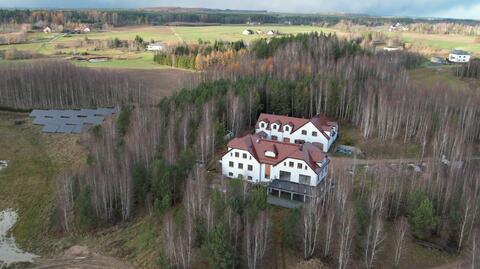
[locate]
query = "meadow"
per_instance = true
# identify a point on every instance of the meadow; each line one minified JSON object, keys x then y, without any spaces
{"x":59,"y":45}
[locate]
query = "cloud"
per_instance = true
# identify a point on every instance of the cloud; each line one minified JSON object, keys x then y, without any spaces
{"x":439,"y":8}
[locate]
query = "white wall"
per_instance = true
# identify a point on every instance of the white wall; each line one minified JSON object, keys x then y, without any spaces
{"x":236,"y":172}
{"x":308,"y":137}
{"x":258,"y":171}
{"x":458,"y":58}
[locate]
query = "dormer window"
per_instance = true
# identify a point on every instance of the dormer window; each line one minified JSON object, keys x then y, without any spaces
{"x":274,"y":126}
{"x":262,"y":124}
{"x":287,"y":128}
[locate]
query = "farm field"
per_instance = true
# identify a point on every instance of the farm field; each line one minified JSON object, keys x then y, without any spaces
{"x":60,"y":46}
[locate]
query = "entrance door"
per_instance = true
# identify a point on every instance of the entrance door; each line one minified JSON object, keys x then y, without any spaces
{"x":267,"y":171}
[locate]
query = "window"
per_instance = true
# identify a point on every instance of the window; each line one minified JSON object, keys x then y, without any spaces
{"x":244,"y":155}
{"x":274,"y":137}
{"x":290,"y":164}
{"x":304,"y":179}
{"x":287,"y":128}
{"x":231,"y":154}
{"x":304,"y":132}
{"x":250,"y":167}
{"x":230,"y":174}
{"x":285,"y":175}
{"x":314,"y":133}
{"x":230,"y":164}
{"x":299,"y":165}
{"x":306,"y":167}
{"x":249,"y":157}
{"x":240,"y":165}
{"x":274,"y":126}
{"x":237,"y":154}
{"x":250,"y":178}
{"x":262,"y":125}
{"x":285,"y":163}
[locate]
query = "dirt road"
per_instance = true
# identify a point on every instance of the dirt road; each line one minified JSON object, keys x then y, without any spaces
{"x":79,"y":257}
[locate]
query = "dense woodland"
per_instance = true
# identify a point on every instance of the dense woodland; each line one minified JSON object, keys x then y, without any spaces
{"x":98,"y":18}
{"x":201,"y":56}
{"x":155,"y":157}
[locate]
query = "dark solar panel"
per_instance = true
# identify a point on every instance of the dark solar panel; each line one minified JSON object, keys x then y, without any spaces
{"x":50,"y":128}
{"x":70,"y":120}
{"x":67,"y":129}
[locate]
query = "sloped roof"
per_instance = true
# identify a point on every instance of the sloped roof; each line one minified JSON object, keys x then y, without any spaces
{"x":282,"y":120}
{"x":460,"y":52}
{"x":257,"y":146}
{"x":320,"y":121}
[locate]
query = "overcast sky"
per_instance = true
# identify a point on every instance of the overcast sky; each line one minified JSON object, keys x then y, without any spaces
{"x":466,"y":9}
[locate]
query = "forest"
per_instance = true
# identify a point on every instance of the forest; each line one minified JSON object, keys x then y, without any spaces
{"x":159,"y":158}
{"x":41,"y":18}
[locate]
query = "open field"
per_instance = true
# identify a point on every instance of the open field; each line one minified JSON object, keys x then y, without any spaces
{"x":442,"y":76}
{"x":27,"y":184}
{"x":439,"y":44}
{"x":59,"y":45}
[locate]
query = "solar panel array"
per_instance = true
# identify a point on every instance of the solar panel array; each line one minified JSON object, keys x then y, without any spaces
{"x":70,"y":121}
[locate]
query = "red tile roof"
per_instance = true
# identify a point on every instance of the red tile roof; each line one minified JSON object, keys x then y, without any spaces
{"x":320,"y":121}
{"x":282,"y":120}
{"x":257,"y":146}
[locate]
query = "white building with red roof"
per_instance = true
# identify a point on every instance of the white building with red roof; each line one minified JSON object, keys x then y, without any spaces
{"x":318,"y":130}
{"x":261,"y":160}
{"x":292,"y":171}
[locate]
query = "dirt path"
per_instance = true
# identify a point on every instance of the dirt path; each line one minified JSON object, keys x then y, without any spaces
{"x":79,"y":257}
{"x":460,"y":264}
{"x":176,"y":34}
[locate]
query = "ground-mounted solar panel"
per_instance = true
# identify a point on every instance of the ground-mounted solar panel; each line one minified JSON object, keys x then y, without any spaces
{"x":94,"y":120}
{"x":40,"y":120}
{"x":75,"y":121}
{"x":50,"y":128}
{"x":70,"y":120}
{"x":77,"y":129}
{"x":66,"y":129}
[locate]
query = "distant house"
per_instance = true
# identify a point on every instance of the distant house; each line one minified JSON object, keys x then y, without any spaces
{"x":47,"y":30}
{"x":247,"y":32}
{"x":318,"y":130}
{"x":155,"y":47}
{"x":392,"y":48}
{"x":272,"y":32}
{"x":86,"y":30}
{"x":459,"y":56}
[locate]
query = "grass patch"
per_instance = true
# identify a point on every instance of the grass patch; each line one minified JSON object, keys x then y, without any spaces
{"x":27,"y":184}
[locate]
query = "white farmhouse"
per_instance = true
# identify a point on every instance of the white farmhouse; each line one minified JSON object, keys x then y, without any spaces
{"x":247,"y":32}
{"x":272,"y":32}
{"x":291,"y":170}
{"x":86,"y":30}
{"x":318,"y":130}
{"x":47,"y":30}
{"x":155,"y":47}
{"x":459,"y":56}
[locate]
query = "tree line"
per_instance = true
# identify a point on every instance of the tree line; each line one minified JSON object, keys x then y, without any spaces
{"x":43,"y":17}
{"x":53,"y":84}
{"x":200,"y":56}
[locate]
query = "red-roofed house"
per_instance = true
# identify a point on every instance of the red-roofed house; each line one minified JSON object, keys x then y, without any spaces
{"x":318,"y":130}
{"x":261,"y":160}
